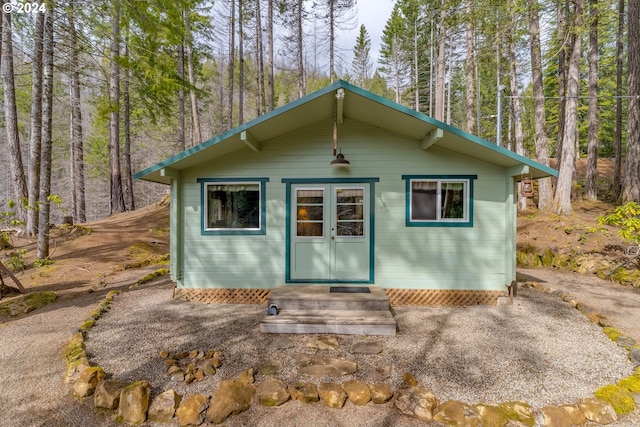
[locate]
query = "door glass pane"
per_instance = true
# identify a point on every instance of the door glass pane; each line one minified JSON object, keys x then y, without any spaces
{"x":309,"y":213}
{"x":350,"y":212}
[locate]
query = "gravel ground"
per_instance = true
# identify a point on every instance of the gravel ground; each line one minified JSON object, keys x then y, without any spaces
{"x":539,"y":350}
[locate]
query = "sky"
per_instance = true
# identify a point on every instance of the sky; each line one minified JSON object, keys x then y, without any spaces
{"x":374,"y":15}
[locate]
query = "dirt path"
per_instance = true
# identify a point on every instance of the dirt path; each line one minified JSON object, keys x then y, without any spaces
{"x":32,"y":367}
{"x":619,"y":304}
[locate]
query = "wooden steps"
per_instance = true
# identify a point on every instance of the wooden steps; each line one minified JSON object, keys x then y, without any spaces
{"x":315,"y":309}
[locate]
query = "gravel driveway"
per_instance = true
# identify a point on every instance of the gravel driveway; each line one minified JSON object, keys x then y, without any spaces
{"x":539,"y":350}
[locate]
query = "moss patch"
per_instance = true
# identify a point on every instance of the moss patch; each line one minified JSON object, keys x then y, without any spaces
{"x":27,"y":303}
{"x":631,"y":383}
{"x":149,"y":277}
{"x":612,"y":333}
{"x":619,"y":397}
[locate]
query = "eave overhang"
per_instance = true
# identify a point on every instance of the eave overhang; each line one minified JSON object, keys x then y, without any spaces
{"x":343,"y":101}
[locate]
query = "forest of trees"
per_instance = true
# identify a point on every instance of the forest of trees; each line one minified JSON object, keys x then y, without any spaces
{"x":94,"y":91}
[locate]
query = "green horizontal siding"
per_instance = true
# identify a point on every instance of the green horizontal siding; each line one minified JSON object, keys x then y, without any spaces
{"x":434,"y":258}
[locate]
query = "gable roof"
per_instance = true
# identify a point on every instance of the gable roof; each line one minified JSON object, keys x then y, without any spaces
{"x":357,"y":104}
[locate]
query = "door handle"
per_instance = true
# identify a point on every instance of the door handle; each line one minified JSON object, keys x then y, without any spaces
{"x":333,"y":237}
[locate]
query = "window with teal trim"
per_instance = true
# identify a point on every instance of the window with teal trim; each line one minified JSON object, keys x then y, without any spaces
{"x":439,"y":201}
{"x":233,"y":207}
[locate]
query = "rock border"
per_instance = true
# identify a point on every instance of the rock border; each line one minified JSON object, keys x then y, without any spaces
{"x":133,"y":405}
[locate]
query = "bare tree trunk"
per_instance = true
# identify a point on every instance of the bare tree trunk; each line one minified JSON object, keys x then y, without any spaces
{"x":272,"y":97}
{"x":195,"y":115}
{"x":332,"y":40}
{"x":300,"y":51}
{"x":232,"y":56}
{"x":440,"y":71}
{"x":262,"y":103}
{"x":562,"y":200}
{"x":592,"y":146}
{"x":47,"y":136}
{"x":128,"y":172}
{"x":77,"y":145}
{"x":116,"y":204}
{"x":517,"y":110}
{"x":469,"y":69}
{"x":616,"y":189}
{"x":431,"y":62}
{"x":11,"y":117}
{"x":241,"y":59}
{"x":515,"y":99}
{"x":181,"y":108}
{"x":416,"y":64}
{"x":35,"y":143}
{"x":563,"y":16}
{"x":541,"y":141}
{"x":631,"y":190}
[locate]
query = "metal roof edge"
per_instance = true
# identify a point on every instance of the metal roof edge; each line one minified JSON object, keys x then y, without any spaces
{"x":221,"y":137}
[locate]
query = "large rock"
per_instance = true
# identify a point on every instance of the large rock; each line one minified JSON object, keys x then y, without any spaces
{"x":561,"y":416}
{"x":304,"y":392}
{"x":520,"y":411}
{"x":380,"y":393}
{"x":454,"y":413}
{"x":192,"y":410}
{"x":358,"y":392}
{"x":314,"y":364}
{"x":164,"y":406}
{"x":332,"y":395}
{"x":272,"y":392}
{"x":416,"y":402}
{"x":378,"y":373}
{"x":597,"y":410}
{"x":323,"y":343}
{"x":134,"y":403}
{"x":88,"y":381}
{"x":107,"y":394}
{"x":492,"y":415}
{"x":232,"y":397}
{"x":366,"y":347}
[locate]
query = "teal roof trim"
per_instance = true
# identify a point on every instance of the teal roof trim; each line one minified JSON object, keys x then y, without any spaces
{"x":235,"y":131}
{"x":421,"y":116}
{"x":361,"y":92}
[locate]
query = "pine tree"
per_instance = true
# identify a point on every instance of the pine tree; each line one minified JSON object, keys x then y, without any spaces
{"x":362,"y":66}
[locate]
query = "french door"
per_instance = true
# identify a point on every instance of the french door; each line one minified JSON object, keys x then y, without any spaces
{"x":330,"y":232}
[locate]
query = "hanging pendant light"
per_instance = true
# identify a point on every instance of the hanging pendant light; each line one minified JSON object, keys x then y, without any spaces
{"x":340,"y":160}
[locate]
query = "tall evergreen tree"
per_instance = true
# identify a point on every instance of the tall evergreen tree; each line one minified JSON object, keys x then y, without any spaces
{"x":336,"y":15}
{"x":592,"y":149}
{"x":11,"y":115}
{"x":562,"y":199}
{"x":362,"y":66}
{"x":632,"y":162}
{"x":35,"y":142}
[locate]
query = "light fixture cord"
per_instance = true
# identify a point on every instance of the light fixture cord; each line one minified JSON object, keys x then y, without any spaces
{"x":335,"y":137}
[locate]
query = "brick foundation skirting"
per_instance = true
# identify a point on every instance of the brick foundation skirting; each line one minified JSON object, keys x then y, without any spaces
{"x":397,"y":297}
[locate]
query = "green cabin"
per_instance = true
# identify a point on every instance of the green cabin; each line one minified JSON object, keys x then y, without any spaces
{"x":344,"y":186}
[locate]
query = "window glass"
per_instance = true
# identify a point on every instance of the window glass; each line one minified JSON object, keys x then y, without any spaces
{"x":310,"y":212}
{"x":424,"y":200}
{"x":438,"y":200}
{"x":233,"y":206}
{"x":452,"y":200}
{"x":350,"y":212}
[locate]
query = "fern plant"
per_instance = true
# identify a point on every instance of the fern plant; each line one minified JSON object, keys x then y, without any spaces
{"x":626,"y":218}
